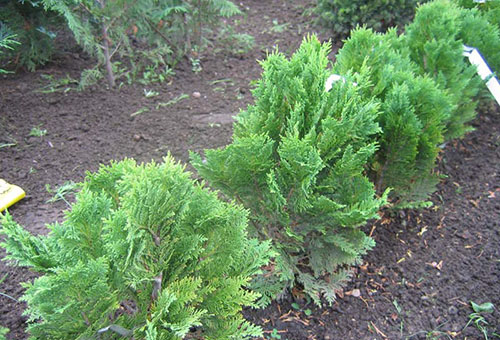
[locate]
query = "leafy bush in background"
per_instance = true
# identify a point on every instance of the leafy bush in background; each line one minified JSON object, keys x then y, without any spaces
{"x":413,"y":114}
{"x":32,"y":27}
{"x":296,"y":162}
{"x":434,"y":44}
{"x":144,"y":252}
{"x":341,"y":16}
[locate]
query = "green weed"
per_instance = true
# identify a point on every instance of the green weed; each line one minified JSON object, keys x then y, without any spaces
{"x":37,"y":132}
{"x":279,"y":28}
{"x":53,"y":84}
{"x":61,"y":192}
{"x":479,"y":321}
{"x":140,"y":111}
{"x":150,"y":93}
{"x":8,"y":297}
{"x":172,"y":101}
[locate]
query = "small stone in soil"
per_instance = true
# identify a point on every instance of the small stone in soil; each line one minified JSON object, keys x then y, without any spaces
{"x":196,"y":94}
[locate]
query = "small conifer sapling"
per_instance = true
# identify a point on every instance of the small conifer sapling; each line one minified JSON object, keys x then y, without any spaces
{"x":143,"y":253}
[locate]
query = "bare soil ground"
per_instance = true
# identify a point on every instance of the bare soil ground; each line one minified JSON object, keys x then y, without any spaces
{"x":416,"y":284}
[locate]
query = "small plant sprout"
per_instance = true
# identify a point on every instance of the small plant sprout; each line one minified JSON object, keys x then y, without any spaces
{"x":5,"y":295}
{"x":274,"y":334}
{"x":279,"y":28}
{"x":60,"y":193}
{"x":12,"y":143}
{"x":150,"y":93}
{"x":140,"y":111}
{"x":172,"y":101}
{"x":196,"y":65}
{"x":477,"y":318}
{"x":399,"y":311}
{"x":64,"y":84}
{"x":37,"y":131}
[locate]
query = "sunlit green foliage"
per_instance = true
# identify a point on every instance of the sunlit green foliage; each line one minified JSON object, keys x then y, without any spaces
{"x":413,"y":114}
{"x":145,"y":252}
{"x":297,"y":162}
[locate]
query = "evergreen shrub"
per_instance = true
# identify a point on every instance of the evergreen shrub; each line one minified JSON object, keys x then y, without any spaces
{"x":476,"y":31}
{"x":342,"y":16}
{"x":434,"y":43}
{"x":489,"y":9}
{"x":33,"y":28}
{"x":297,"y":163}
{"x":413,"y":113}
{"x":7,"y":42}
{"x":143,"y":252}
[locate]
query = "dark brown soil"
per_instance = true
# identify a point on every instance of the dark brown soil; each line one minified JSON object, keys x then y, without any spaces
{"x":417,"y":283}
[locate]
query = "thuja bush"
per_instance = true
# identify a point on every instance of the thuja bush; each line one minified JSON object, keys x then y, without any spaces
{"x":476,"y":31}
{"x":143,"y":253}
{"x":412,"y":116}
{"x":341,"y":16}
{"x":489,"y":9}
{"x":33,"y":27}
{"x":296,"y":162}
{"x":435,"y":45}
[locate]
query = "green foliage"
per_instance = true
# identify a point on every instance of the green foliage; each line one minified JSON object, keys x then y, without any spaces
{"x":413,"y":113}
{"x":341,"y":16}
{"x":7,"y":42}
{"x":207,"y":13}
{"x":145,"y":34}
{"x":489,"y":9}
{"x":434,"y":43}
{"x":144,"y":251}
{"x":296,"y":162}
{"x":3,"y":333}
{"x":476,"y":31}
{"x":31,"y":25}
{"x":478,"y":318}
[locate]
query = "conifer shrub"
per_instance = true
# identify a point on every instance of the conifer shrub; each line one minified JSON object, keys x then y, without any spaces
{"x":33,"y":28}
{"x":489,"y":9}
{"x":342,"y":16}
{"x":434,"y":43}
{"x":143,"y":253}
{"x":476,"y":31}
{"x":7,"y":43}
{"x":297,"y":163}
{"x":412,"y":116}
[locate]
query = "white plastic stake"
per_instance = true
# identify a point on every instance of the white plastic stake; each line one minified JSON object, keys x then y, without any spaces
{"x":483,"y":70}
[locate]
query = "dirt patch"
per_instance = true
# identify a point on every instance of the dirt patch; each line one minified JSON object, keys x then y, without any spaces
{"x":427,"y":266}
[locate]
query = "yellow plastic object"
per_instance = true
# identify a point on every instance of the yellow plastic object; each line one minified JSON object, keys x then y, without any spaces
{"x":9,"y":194}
